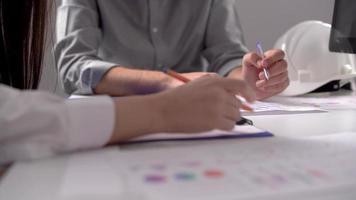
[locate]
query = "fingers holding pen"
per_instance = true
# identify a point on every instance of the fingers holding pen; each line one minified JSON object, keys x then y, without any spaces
{"x":277,"y":79}
{"x":270,"y":57}
{"x":275,"y":69}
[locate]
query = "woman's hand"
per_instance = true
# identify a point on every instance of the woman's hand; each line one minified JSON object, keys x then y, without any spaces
{"x":202,"y":105}
{"x":205,"y":104}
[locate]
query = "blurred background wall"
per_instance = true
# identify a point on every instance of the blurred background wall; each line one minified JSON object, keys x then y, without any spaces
{"x":263,"y":20}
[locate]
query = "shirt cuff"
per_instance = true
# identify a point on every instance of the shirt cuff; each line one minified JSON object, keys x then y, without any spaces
{"x":91,"y":122}
{"x":92,"y":75}
{"x":229,"y":66}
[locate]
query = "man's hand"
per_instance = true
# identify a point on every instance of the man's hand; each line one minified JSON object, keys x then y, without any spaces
{"x":121,"y":81}
{"x":191,"y":76}
{"x":252,"y":73}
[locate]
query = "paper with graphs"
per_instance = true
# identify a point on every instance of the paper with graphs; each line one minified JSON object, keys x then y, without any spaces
{"x":244,"y":169}
{"x":322,"y":102}
{"x":276,"y":108}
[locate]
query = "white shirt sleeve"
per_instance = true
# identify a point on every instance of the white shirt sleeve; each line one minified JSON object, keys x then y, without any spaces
{"x":38,"y":124}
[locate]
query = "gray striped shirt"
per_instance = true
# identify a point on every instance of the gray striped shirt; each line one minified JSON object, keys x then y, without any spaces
{"x":96,"y":35}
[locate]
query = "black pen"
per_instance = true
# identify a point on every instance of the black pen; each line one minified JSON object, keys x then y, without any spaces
{"x":244,"y":121}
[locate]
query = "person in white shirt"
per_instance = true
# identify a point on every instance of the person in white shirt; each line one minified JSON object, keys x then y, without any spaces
{"x":36,"y":124}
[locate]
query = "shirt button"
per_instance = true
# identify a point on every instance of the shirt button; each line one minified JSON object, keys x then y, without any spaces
{"x":155,"y":30}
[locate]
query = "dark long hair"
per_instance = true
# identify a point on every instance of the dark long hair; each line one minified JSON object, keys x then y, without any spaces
{"x":22,"y":40}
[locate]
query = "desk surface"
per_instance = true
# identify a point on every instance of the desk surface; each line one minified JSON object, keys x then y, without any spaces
{"x":291,"y":125}
{"x":308,"y":124}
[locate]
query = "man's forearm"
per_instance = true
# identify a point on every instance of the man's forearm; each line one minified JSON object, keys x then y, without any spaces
{"x":236,"y":73}
{"x":120,"y":81}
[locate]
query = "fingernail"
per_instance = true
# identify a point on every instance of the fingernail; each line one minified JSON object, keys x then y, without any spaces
{"x":260,"y":83}
{"x":261,"y":75}
{"x":259,"y":63}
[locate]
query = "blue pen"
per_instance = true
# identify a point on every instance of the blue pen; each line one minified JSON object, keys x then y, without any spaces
{"x":261,"y":53}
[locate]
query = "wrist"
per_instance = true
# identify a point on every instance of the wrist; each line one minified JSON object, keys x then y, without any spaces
{"x":121,"y":81}
{"x":163,"y":120}
{"x":236,"y":73}
{"x":110,"y":83}
{"x":137,"y":116}
{"x":168,"y":112}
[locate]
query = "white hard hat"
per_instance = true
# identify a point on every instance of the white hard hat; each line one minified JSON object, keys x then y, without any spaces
{"x":310,"y":63}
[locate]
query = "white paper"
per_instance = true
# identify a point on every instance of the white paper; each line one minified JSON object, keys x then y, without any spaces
{"x":325,"y":102}
{"x":91,"y":175}
{"x":275,"y":107}
{"x":245,"y":168}
{"x":315,"y":102}
{"x":245,"y":130}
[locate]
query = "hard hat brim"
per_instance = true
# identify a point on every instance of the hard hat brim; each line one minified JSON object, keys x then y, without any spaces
{"x":298,"y":88}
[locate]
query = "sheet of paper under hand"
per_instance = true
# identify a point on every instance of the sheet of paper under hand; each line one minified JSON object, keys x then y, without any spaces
{"x":238,"y":132}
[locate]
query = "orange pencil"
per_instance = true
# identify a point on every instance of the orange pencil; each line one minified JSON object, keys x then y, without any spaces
{"x":186,"y":80}
{"x":176,"y":75}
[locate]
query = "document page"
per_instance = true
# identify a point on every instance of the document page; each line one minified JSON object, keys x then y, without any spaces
{"x":242,"y":131}
{"x":280,"y":107}
{"x":324,"y":102}
{"x":245,"y":169}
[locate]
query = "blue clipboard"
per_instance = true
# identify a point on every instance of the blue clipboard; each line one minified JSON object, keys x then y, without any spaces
{"x":217,"y":135}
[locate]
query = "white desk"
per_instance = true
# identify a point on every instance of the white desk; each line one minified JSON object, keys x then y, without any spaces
{"x":41,"y":173}
{"x":295,"y":125}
